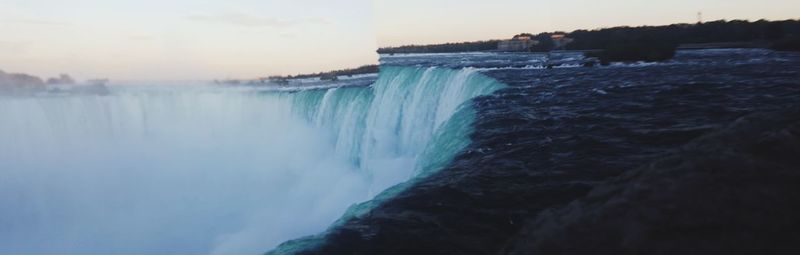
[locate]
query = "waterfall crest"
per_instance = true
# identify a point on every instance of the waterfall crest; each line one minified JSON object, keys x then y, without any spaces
{"x":205,"y":170}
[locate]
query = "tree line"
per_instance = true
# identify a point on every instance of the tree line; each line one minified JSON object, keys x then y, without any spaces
{"x":332,"y":75}
{"x":778,"y":34}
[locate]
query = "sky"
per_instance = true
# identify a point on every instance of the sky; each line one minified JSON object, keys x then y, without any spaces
{"x":184,"y":39}
{"x":218,"y":39}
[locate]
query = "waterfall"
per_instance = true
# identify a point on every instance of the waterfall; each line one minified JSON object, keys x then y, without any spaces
{"x":209,"y":170}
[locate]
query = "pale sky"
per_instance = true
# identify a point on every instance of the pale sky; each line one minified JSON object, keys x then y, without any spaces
{"x":207,"y":39}
{"x":401,"y":22}
{"x":184,"y":39}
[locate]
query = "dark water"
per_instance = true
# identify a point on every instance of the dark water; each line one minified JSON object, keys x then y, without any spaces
{"x":554,"y":134}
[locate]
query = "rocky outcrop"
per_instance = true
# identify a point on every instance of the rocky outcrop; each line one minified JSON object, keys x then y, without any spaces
{"x":16,"y":83}
{"x":731,"y":192}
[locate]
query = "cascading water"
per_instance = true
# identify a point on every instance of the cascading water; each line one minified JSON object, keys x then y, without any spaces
{"x":208,"y":170}
{"x":383,"y":130}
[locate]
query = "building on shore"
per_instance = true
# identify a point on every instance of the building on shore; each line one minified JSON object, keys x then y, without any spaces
{"x":520,"y":43}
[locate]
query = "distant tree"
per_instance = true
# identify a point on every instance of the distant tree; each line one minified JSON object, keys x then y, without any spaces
{"x":332,"y":75}
{"x":708,"y":32}
{"x":635,"y":50}
{"x":774,"y":31}
{"x":442,"y":48}
{"x":546,"y":43}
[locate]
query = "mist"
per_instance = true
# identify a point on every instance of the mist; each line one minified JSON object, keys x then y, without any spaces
{"x":201,"y":169}
{"x":162,"y":171}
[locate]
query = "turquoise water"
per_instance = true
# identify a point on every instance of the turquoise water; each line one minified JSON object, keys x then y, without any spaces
{"x":211,"y":170}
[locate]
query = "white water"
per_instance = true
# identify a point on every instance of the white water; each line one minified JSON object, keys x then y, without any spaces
{"x":204,"y":170}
